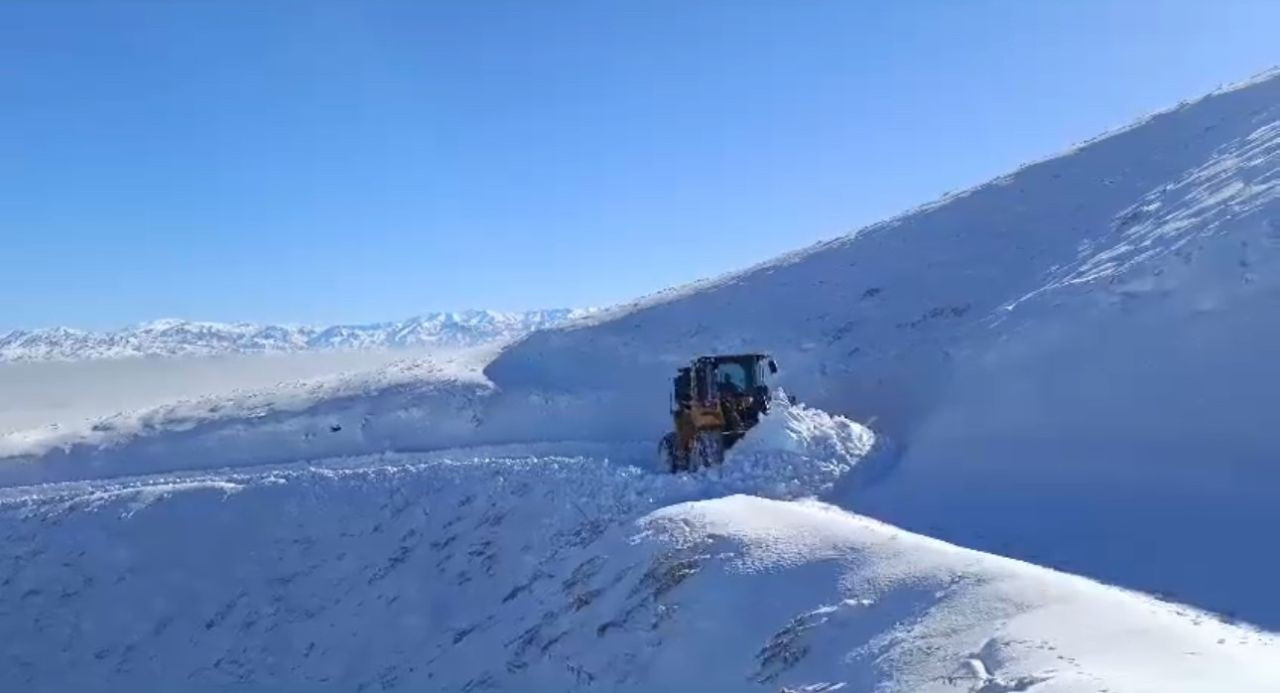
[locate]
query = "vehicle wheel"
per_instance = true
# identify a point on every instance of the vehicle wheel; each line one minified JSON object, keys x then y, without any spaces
{"x":668,"y":459}
{"x":708,"y":450}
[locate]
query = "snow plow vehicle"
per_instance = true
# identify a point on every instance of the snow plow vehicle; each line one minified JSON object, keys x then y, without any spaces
{"x":715,"y":400}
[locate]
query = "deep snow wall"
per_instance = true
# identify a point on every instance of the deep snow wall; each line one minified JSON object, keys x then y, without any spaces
{"x":870,"y":324}
{"x":1076,"y":362}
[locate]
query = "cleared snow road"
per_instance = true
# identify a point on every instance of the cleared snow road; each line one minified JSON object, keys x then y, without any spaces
{"x":539,"y":570}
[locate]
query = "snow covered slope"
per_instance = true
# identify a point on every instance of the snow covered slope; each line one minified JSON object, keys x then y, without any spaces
{"x":874,"y":322}
{"x":544,"y":571}
{"x":1073,"y":365}
{"x":418,"y":403}
{"x":35,"y":394}
{"x":1077,"y":361}
{"x":187,"y":338}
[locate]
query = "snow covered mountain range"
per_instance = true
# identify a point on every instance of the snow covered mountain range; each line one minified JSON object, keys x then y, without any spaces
{"x":189,"y":338}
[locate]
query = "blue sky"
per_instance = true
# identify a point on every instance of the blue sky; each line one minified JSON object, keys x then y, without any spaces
{"x":270,"y":160}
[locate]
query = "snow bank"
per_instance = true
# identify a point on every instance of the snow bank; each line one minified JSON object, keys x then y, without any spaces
{"x":550,"y":573}
{"x":38,"y":395}
{"x":802,"y":431}
{"x":411,"y":404}
{"x":902,"y":612}
{"x":795,"y":451}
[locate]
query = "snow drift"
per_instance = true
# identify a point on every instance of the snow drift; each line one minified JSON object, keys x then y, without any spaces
{"x":552,"y":573}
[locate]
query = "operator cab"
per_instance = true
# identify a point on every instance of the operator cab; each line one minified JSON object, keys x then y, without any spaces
{"x":713,"y":378}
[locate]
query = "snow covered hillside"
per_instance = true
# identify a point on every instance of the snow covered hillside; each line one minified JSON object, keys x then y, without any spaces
{"x":1076,"y":362}
{"x":537,"y":570}
{"x":1073,"y":366}
{"x":186,"y":338}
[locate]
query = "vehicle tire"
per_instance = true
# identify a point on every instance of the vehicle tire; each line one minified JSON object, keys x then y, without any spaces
{"x":708,"y":450}
{"x":668,"y":459}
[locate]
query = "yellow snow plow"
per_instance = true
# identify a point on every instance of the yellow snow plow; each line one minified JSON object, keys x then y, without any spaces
{"x":715,"y":400}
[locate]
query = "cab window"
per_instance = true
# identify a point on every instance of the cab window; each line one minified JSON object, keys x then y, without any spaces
{"x":732,"y":377}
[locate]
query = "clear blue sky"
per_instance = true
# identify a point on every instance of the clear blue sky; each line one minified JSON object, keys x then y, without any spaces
{"x":280,"y":160}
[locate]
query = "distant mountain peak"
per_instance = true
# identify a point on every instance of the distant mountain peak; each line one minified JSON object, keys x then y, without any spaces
{"x":177,"y":337}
